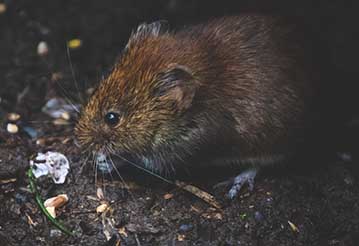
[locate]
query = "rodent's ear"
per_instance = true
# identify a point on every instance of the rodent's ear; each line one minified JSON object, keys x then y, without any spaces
{"x":177,"y":84}
{"x":153,"y":29}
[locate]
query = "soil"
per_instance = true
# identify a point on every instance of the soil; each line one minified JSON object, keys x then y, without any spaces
{"x":311,"y":203}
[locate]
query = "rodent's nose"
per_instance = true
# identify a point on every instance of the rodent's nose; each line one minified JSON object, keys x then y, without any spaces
{"x":101,"y":139}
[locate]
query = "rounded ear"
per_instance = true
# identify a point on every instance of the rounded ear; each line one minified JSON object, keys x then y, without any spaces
{"x":177,"y":84}
{"x":145,"y":30}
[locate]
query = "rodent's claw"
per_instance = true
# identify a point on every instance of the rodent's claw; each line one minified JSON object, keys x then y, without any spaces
{"x":244,"y":177}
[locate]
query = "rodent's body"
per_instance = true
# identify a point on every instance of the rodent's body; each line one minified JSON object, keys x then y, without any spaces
{"x":237,"y":89}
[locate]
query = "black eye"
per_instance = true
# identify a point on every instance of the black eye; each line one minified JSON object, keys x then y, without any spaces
{"x":112,"y":118}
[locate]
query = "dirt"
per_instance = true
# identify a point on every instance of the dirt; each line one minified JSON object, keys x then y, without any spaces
{"x":312,"y":203}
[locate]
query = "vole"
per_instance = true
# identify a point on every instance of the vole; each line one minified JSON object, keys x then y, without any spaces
{"x":234,"y":90}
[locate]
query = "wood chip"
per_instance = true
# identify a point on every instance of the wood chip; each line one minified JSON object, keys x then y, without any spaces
{"x":205,"y":196}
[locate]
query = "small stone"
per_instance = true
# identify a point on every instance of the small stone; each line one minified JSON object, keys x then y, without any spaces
{"x":12,"y":128}
{"x":55,"y":233}
{"x":20,"y":198}
{"x":185,"y":227}
{"x":42,"y":48}
{"x":30,"y":131}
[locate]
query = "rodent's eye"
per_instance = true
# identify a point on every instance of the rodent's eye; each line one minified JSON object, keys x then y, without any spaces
{"x":112,"y":118}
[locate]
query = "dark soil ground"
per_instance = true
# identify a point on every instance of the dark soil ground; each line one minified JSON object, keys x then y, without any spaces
{"x":321,"y":198}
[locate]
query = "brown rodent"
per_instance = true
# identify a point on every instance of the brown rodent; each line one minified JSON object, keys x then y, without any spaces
{"x":236,"y":89}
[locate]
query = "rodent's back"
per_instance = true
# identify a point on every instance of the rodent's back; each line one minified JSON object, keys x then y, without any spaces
{"x":261,"y":71}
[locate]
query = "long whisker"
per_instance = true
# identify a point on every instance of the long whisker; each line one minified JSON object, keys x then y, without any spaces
{"x":144,"y":169}
{"x":96,"y":162}
{"x":122,"y":179}
{"x":83,"y":164}
{"x":73,"y":73}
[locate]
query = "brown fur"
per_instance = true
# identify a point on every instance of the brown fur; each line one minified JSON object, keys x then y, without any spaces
{"x":235,"y":88}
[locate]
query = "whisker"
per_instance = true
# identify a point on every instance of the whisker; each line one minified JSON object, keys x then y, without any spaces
{"x":96,"y":162}
{"x":73,"y":74}
{"x":144,"y":169}
{"x":83,"y":164}
{"x":122,"y":179}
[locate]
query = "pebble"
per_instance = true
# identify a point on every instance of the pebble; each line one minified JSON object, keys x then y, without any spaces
{"x":185,"y":227}
{"x":42,"y":48}
{"x":31,"y":132}
{"x":55,"y":233}
{"x":20,"y":198}
{"x":12,"y":128}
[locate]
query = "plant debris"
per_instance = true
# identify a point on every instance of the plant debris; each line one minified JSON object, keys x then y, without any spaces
{"x":51,"y":163}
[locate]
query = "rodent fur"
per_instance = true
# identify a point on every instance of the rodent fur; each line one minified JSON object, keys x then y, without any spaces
{"x":235,"y":89}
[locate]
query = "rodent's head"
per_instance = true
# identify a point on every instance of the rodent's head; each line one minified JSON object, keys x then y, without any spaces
{"x":141,"y":105}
